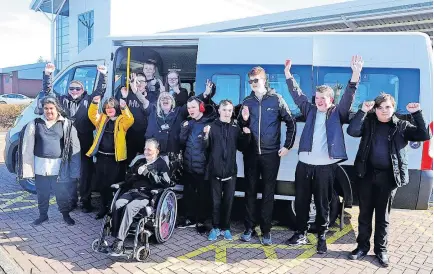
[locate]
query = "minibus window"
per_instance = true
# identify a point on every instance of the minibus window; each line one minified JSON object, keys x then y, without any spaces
{"x":61,"y":85}
{"x":228,"y":87}
{"x":371,"y":85}
{"x":87,"y":76}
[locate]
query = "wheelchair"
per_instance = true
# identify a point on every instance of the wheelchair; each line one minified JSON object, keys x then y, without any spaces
{"x":157,"y":219}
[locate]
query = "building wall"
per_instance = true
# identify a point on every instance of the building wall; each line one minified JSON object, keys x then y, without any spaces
{"x":6,"y":84}
{"x":29,"y":87}
{"x":101,"y":10}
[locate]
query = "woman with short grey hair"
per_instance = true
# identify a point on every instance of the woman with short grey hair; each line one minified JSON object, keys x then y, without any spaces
{"x":50,"y":153}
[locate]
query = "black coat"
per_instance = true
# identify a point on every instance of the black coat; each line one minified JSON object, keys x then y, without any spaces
{"x":75,"y":109}
{"x":192,"y":137}
{"x":265,"y":120}
{"x":401,"y":132}
{"x":157,"y":177}
{"x":181,"y":97}
{"x":166,"y":128}
{"x":222,"y":143}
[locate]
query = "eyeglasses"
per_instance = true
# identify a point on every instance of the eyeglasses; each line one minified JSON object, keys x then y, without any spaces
{"x":172,"y":79}
{"x":256,"y":80}
{"x":76,"y":88}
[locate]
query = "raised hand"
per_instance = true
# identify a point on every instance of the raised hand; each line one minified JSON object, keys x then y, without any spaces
{"x":246,"y":130}
{"x":102,"y":69}
{"x":288,"y":64}
{"x":124,"y":92}
{"x":357,"y":64}
{"x":208,"y":88}
{"x":97,"y":99}
{"x":245,"y":113}
{"x":413,"y":107}
{"x":122,"y":103}
{"x":367,"y":106}
{"x":162,"y":87}
{"x":142,"y":170}
{"x":49,"y":68}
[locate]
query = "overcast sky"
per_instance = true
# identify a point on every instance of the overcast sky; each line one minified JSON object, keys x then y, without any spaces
{"x":25,"y":34}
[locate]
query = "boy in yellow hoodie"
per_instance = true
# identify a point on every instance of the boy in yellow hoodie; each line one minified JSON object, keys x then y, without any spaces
{"x":109,"y":145}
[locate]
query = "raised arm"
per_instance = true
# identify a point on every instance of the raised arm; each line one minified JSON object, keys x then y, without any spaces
{"x":418,"y":131}
{"x":92,"y":113}
{"x":347,"y":100}
{"x":357,"y":124}
{"x":47,"y":80}
{"x":126,"y":116}
{"x":300,"y":99}
{"x":102,"y":82}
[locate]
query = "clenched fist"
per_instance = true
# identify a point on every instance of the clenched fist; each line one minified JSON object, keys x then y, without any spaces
{"x":413,"y":107}
{"x":367,"y":106}
{"x":245,"y":113}
{"x":246,"y":130}
{"x":102,"y":69}
{"x":122,"y":103}
{"x":49,"y":68}
{"x":96,"y":99}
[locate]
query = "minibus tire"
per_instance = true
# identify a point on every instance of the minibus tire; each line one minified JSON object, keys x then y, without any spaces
{"x":335,"y":206}
{"x":28,"y":185}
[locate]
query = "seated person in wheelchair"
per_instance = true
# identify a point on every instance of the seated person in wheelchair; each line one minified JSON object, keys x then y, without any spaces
{"x":145,"y":173}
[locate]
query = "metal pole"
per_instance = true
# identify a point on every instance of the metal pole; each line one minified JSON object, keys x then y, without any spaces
{"x":52,"y":33}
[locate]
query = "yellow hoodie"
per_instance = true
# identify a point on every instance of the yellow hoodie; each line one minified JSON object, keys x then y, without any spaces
{"x":122,"y":124}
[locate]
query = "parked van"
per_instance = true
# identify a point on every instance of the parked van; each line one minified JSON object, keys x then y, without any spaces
{"x":396,"y":63}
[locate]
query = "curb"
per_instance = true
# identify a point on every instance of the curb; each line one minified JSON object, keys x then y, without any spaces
{"x":8,"y":265}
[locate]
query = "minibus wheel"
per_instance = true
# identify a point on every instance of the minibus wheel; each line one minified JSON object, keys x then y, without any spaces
{"x":28,"y":185}
{"x":334,"y":212}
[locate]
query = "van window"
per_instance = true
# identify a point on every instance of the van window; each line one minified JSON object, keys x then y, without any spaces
{"x":278,"y":83}
{"x":87,"y":76}
{"x":227,"y":87}
{"x":371,"y":85}
{"x":61,"y":85}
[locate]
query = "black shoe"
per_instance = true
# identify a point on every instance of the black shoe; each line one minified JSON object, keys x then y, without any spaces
{"x":101,"y":213}
{"x":383,"y":259}
{"x":187,"y":223}
{"x":40,"y":220}
{"x":117,"y":248}
{"x":201,"y":228}
{"x":357,"y":254}
{"x":297,"y":239}
{"x":321,"y":247}
{"x":87,"y":208}
{"x":68,"y":219}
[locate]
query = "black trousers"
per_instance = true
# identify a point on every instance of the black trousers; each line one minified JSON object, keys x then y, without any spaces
{"x":107,"y":170}
{"x":376,"y":192}
{"x":267,"y":166}
{"x":44,"y":186}
{"x":135,"y":144}
{"x":127,"y":206}
{"x":87,"y":166}
{"x":222,"y":202}
{"x":196,"y":197}
{"x":317,"y":181}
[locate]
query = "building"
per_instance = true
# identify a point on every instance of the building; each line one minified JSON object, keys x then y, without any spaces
{"x":76,"y":24}
{"x":26,"y":79}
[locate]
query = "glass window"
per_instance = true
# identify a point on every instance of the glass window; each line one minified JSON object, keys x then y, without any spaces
{"x":85,"y":30}
{"x":62,"y":42}
{"x":227,"y":87}
{"x":61,"y":85}
{"x":278,"y":82}
{"x":86,"y":75}
{"x":371,"y":85}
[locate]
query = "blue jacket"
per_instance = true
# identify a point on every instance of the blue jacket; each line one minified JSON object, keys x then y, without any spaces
{"x":337,"y":115}
{"x":192,"y":137}
{"x":265,"y":120}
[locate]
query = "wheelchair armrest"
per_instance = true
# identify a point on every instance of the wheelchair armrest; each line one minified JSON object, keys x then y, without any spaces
{"x":118,"y":185}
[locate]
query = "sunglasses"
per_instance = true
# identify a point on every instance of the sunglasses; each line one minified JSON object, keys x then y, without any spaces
{"x":76,"y":88}
{"x":256,"y":80}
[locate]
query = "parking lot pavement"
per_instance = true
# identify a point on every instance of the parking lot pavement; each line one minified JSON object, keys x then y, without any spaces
{"x":57,"y":248}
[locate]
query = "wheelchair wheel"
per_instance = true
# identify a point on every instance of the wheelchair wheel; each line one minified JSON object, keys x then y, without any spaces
{"x":165,"y":216}
{"x":97,"y":245}
{"x":142,"y":253}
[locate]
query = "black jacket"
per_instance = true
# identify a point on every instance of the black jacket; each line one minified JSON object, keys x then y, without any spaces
{"x":222,"y":143}
{"x":157,"y":177}
{"x":336,"y":116}
{"x":363,"y":125}
{"x":75,"y":109}
{"x":192,"y":137}
{"x":166,"y":128}
{"x":181,"y":97}
{"x":139,"y":113}
{"x":265,"y":120}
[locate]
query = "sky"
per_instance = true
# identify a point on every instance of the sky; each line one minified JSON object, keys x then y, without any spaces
{"x":25,"y":34}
